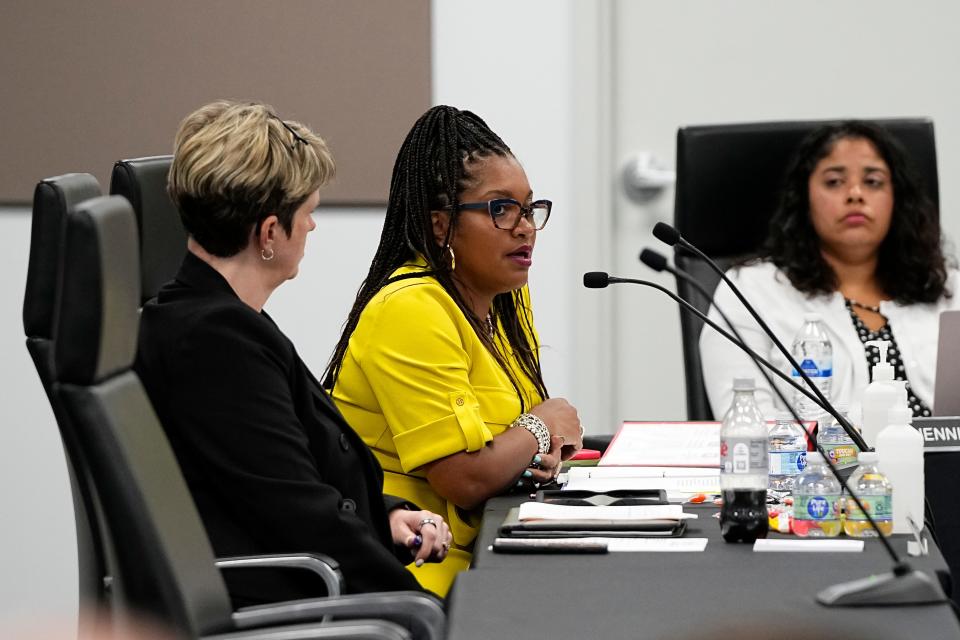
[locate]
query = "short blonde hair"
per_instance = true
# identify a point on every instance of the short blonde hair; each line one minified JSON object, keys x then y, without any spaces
{"x":234,"y":164}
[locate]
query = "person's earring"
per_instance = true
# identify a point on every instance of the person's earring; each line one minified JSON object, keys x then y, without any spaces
{"x":266,"y":256}
{"x":453,"y":258}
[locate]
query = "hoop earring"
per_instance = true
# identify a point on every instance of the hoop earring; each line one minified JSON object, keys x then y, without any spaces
{"x":453,"y":258}
{"x":264,"y":256}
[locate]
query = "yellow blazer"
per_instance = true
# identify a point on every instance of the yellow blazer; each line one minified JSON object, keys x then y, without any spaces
{"x":418,"y":385}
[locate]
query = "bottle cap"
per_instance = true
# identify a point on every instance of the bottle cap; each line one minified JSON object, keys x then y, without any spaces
{"x":784,"y":416}
{"x":868,"y":457}
{"x":811,"y":317}
{"x":743,"y":384}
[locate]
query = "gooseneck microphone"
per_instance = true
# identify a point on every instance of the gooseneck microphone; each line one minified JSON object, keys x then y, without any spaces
{"x":668,"y":235}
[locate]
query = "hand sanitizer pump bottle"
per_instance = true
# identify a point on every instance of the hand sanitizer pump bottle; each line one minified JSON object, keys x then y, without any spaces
{"x":881,"y":395}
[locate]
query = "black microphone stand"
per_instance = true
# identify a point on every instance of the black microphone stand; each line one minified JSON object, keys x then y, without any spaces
{"x":901,"y":586}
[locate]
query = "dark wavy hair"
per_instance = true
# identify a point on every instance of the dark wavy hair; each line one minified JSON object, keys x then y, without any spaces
{"x":911,"y":267}
{"x":431,"y":171}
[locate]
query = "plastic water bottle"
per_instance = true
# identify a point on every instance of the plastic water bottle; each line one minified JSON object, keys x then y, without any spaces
{"x":901,"y":459}
{"x":814,"y":353}
{"x":876,"y":494}
{"x":744,"y":468}
{"x":835,"y":442}
{"x":816,"y":500}
{"x":788,"y":452}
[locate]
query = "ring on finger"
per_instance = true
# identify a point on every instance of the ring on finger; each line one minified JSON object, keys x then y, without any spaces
{"x":427,"y":521}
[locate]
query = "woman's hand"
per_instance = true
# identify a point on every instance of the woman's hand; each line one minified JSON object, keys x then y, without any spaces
{"x":423,"y":532}
{"x":545,"y":467}
{"x":561,"y":418}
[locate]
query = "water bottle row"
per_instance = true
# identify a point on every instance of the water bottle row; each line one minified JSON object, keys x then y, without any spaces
{"x":753,"y":460}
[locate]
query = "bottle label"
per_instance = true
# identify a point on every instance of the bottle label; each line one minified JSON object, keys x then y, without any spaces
{"x":814,"y":370}
{"x":880,"y":507}
{"x":787,"y":463}
{"x":743,"y":455}
{"x":841,"y":455}
{"x":817,"y":508}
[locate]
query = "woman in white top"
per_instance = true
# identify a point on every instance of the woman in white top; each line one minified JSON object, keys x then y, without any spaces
{"x":857,"y":240}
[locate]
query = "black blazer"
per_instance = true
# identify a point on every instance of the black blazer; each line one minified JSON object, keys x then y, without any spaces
{"x":271,"y":463}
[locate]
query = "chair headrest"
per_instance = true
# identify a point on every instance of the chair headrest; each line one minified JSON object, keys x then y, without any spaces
{"x":163,"y":241}
{"x":52,"y":198}
{"x":97,"y":318}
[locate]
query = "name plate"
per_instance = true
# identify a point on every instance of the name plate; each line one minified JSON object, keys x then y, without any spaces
{"x":939,"y":434}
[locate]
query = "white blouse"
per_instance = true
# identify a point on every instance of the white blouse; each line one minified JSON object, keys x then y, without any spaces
{"x":915,"y":327}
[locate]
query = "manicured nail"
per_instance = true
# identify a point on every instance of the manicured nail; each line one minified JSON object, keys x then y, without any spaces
{"x":417,"y":540}
{"x":419,"y":562}
{"x":527,"y":473}
{"x":537,"y":459}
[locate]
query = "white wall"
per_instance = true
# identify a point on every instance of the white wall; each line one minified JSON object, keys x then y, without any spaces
{"x":509,"y":62}
{"x":37,"y":541}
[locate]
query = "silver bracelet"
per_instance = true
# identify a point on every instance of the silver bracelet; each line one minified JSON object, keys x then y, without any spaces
{"x":537,"y":427}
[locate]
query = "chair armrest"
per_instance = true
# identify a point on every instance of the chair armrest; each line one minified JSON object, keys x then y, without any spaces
{"x":347,"y":630}
{"x":324,"y":566}
{"x":422,"y":614}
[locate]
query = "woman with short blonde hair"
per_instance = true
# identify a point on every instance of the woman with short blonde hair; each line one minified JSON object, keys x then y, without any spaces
{"x":271,"y":463}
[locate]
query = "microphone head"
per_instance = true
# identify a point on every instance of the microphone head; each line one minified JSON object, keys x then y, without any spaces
{"x":596,"y":279}
{"x":654,"y":260}
{"x":666,"y":234}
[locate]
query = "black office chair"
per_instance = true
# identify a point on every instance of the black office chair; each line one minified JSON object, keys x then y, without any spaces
{"x":729,"y":179}
{"x":164,"y":565}
{"x":163,"y":241}
{"x":52,"y":199}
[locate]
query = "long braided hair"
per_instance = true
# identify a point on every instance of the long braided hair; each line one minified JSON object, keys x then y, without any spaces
{"x":430,"y":172}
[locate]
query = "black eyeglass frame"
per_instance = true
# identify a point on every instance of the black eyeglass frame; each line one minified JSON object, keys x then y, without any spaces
{"x":525,"y":211}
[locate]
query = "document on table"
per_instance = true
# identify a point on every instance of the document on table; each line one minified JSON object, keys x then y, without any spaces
{"x":794,"y":545}
{"x":680,"y":444}
{"x":679,"y":482}
{"x":548,"y":511}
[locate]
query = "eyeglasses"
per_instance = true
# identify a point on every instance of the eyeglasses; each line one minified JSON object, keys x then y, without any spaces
{"x":296,"y":136}
{"x":507,"y":212}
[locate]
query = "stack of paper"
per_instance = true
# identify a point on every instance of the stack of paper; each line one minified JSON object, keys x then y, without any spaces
{"x":546,"y":511}
{"x":679,"y":482}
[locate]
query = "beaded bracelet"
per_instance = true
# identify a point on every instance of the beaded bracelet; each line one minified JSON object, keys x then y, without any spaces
{"x":537,"y":427}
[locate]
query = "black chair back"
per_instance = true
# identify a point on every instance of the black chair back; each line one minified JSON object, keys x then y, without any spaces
{"x":729,"y":179}
{"x":165,"y":565}
{"x":163,"y":241}
{"x":52,"y":199}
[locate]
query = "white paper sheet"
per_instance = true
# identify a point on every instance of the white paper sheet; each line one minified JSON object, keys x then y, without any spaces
{"x":547,"y":511}
{"x":684,"y":485}
{"x":640,"y":472}
{"x":685,"y":444}
{"x":796,"y":545}
{"x":627,"y":545}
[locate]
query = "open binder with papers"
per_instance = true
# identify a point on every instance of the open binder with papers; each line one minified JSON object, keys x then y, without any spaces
{"x":546,"y":520}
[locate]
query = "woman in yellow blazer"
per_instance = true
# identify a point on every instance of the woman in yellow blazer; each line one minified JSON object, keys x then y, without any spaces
{"x":438,"y":366}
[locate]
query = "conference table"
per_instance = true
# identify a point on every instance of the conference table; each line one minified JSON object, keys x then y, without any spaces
{"x":726,"y":589}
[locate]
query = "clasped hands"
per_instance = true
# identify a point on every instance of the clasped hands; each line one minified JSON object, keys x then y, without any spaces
{"x":566,"y":438}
